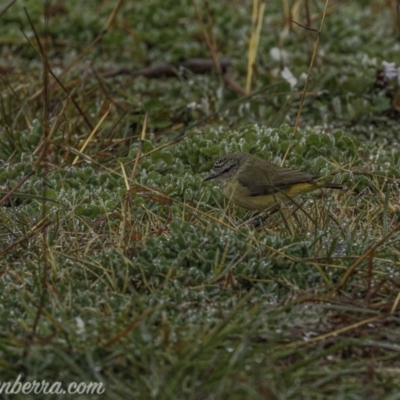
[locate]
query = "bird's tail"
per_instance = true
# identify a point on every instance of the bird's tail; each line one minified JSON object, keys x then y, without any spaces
{"x":331,"y":185}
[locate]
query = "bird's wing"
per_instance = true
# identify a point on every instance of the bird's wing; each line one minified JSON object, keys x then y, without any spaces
{"x":263,"y":178}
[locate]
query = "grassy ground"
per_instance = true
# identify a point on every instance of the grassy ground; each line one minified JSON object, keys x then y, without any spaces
{"x":119,"y":265}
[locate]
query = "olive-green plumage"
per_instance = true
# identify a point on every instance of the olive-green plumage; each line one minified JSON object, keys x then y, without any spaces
{"x":256,"y":184}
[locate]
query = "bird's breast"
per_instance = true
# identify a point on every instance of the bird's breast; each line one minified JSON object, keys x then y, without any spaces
{"x":239,"y":195}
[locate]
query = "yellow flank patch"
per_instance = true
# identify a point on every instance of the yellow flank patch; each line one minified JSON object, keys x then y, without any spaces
{"x":299,"y":188}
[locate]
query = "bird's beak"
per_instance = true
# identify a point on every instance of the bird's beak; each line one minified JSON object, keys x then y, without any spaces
{"x":209,"y":177}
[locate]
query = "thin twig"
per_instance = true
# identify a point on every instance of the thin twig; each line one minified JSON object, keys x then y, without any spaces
{"x":303,"y":95}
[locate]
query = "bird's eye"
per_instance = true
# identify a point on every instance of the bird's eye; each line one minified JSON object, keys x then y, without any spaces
{"x":227,"y":167}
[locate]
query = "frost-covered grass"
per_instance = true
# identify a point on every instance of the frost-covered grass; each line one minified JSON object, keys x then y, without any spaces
{"x":120,"y":265}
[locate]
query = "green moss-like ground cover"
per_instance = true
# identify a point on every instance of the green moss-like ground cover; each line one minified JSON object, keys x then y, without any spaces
{"x":141,"y":276}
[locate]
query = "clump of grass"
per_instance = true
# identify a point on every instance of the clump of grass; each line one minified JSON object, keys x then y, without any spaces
{"x":120,"y":265}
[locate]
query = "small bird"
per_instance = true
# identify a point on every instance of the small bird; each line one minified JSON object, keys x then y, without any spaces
{"x":256,"y":184}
